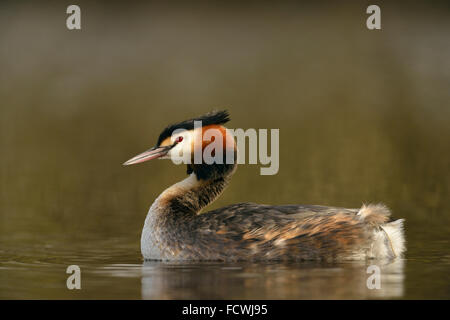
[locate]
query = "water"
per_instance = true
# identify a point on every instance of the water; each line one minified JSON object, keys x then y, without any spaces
{"x":113,"y":269}
{"x":363,"y":117}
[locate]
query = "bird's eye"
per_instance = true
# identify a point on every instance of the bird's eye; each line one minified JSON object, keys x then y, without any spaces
{"x":179,"y":139}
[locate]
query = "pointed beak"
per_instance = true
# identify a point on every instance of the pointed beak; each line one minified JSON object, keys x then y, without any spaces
{"x":153,"y":153}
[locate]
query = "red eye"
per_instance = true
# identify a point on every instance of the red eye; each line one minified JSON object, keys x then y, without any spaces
{"x":179,"y":139}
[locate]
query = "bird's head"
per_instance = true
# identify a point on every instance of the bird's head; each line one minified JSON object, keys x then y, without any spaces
{"x":203,"y":144}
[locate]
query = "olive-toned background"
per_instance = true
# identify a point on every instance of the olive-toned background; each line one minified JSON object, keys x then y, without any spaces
{"x":363,"y":117}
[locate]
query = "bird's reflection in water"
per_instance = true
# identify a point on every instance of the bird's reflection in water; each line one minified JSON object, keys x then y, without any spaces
{"x":208,"y":280}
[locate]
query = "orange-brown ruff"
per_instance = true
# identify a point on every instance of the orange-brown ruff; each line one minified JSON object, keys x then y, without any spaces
{"x":174,"y":229}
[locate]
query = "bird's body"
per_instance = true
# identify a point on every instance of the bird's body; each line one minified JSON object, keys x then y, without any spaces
{"x":175,"y":228}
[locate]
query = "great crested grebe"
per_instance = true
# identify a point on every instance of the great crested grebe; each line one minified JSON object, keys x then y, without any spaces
{"x":175,"y":229}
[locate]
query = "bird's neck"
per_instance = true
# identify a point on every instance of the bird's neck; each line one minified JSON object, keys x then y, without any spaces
{"x":189,"y":196}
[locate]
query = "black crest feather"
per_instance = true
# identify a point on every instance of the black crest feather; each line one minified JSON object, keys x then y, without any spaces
{"x":214,"y":117}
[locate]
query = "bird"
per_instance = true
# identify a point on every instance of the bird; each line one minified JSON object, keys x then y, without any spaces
{"x":177,"y":229}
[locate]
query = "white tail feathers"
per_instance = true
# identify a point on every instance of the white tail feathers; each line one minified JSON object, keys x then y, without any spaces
{"x":388,"y":240}
{"x":395,"y":234}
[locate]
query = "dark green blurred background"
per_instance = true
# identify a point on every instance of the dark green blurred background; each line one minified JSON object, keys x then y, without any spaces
{"x":363,"y":117}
